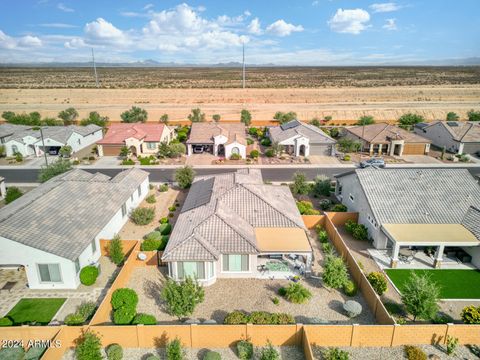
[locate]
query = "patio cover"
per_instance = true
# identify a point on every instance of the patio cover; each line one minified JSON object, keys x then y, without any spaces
{"x":282,"y":240}
{"x":431,"y":234}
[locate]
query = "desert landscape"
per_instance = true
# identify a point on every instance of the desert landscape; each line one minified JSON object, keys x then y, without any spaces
{"x":343,"y":93}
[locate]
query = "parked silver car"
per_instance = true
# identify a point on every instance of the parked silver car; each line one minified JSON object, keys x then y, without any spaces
{"x":375,"y":162}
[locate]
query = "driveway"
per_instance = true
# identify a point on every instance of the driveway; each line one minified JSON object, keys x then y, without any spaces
{"x":420,"y":159}
{"x":201,"y":159}
{"x":322,"y":159}
{"x":105,"y":161}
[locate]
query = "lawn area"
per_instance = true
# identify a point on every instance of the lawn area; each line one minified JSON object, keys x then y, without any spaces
{"x":39,"y":310}
{"x":454,"y":284}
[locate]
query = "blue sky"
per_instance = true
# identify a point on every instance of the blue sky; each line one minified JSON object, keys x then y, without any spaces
{"x":294,"y":32}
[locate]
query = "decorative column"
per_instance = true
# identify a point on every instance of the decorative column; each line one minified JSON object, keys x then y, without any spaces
{"x":308,"y":264}
{"x":395,"y":250}
{"x":371,"y":149}
{"x":189,"y":149}
{"x":379,"y":149}
{"x":437,"y":263}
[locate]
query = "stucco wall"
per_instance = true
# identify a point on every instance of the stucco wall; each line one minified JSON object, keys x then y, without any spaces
{"x":23,"y":149}
{"x":242,"y":149}
{"x":439,"y":136}
{"x":84,"y":140}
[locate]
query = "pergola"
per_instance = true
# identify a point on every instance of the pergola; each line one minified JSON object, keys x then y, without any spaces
{"x":433,"y":235}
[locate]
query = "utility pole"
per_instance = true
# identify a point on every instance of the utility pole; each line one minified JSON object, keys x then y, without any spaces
{"x":94,"y":69}
{"x":44,"y":149}
{"x":243,"y":66}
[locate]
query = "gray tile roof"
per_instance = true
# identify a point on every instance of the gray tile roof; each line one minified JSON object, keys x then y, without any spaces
{"x":294,"y":128}
{"x":462,"y":131}
{"x":419,"y":196}
{"x":471,"y":221}
{"x":64,"y":215}
{"x":57,"y":133}
{"x":383,"y":133}
{"x":239,"y":203}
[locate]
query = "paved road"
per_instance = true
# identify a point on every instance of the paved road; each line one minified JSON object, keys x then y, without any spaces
{"x":25,"y":176}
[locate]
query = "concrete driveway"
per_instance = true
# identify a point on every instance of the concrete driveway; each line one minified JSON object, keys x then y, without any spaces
{"x":322,"y":159}
{"x":420,"y":159}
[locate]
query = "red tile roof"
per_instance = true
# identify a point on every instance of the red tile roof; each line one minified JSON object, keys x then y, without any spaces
{"x":118,"y":133}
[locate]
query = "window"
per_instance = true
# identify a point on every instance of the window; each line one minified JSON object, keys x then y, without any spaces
{"x":124,"y":210}
{"x":372,"y":221}
{"x":235,"y":150}
{"x":350,"y":196}
{"x":94,"y":247}
{"x":211,"y":269}
{"x":79,"y":141}
{"x":194,"y":269}
{"x":14,"y":149}
{"x":235,"y":263}
{"x":49,"y":272}
{"x":77,"y":265}
{"x":139,"y":190}
{"x":340,"y":187}
{"x":151,"y":145}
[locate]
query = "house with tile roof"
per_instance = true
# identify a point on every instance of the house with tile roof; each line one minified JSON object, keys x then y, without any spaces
{"x":420,"y":208}
{"x":300,"y":139}
{"x":379,"y":139}
{"x":53,"y":231}
{"x":218,"y":139}
{"x":140,"y":138}
{"x":27,"y":140}
{"x":458,"y":137}
{"x":233,"y":225}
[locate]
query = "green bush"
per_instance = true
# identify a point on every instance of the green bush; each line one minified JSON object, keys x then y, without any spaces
{"x":174,"y":350}
{"x":115,"y":250}
{"x":165,"y":229}
{"x":471,"y":314}
{"x":306,"y":208}
{"x":172,"y":208}
{"x":145,"y":319}
{"x":349,"y":288}
{"x":338,"y":208}
{"x":282,"y":291}
{"x":124,"y":297}
{"x":86,"y":309}
{"x":182,"y":298}
{"x":88,"y":347}
{"x":347,"y":158}
{"x":56,"y":168}
{"x":335,"y":354}
{"x":142,"y":215}
{"x":324,"y":204}
{"x":358,"y":231}
{"x":276,"y":300}
{"x":269,"y":353}
{"x":327,"y":248}
{"x":322,"y":186}
{"x":414,"y":353}
{"x":349,"y":226}
{"x":282,"y":319}
{"x":323,"y":236}
{"x":335,"y":273}
{"x":184,"y":177}
{"x":235,"y":318}
{"x":378,"y":282}
{"x":212,"y":355}
{"x":88,"y":275}
{"x":74,"y":319}
{"x":244,"y":350}
{"x":235,"y":157}
{"x":297,"y":293}
{"x":269,"y":153}
{"x":5,"y":321}
{"x":163,"y":220}
{"x":266,"y":142}
{"x":154,"y":241}
{"x":12,"y":353}
{"x":254,"y":154}
{"x":12,"y":193}
{"x":258,"y":318}
{"x":124,"y":315}
{"x":151,"y":199}
{"x":163,"y":188}
{"x":114,"y":352}
{"x":128,"y":162}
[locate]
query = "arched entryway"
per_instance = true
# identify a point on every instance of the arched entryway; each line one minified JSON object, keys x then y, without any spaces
{"x":133,"y":150}
{"x":301,"y":151}
{"x":221,"y":150}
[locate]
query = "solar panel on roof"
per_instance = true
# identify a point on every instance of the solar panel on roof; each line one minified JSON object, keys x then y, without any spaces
{"x":452,"y":123}
{"x":289,"y":125}
{"x":200,"y":194}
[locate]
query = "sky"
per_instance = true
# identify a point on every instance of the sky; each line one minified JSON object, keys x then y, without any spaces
{"x":282,"y":32}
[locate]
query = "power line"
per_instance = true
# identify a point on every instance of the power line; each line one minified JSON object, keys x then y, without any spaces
{"x":94,"y":69}
{"x":243,"y":66}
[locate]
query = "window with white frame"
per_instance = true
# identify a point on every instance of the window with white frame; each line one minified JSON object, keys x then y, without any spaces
{"x":235,"y":263}
{"x":151,"y":145}
{"x":124,"y":210}
{"x":77,"y":265}
{"x":49,"y":273}
{"x":193,"y":269}
{"x":372,"y":221}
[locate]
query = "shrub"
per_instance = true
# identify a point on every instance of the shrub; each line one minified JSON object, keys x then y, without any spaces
{"x":276,"y":300}
{"x":12,"y":193}
{"x":124,"y":297}
{"x":350,"y":225}
{"x":269,"y":353}
{"x":182,"y":298}
{"x":282,"y":319}
{"x":394,"y":308}
{"x":335,"y":354}
{"x":88,"y":275}
{"x":163,"y":188}
{"x":408,"y":120}
{"x":115,"y":250}
{"x":297,"y":293}
{"x":471,"y":315}
{"x":235,"y":157}
{"x":338,"y":208}
{"x":124,"y":315}
{"x":165,"y":229}
{"x":5,"y":321}
{"x":142,"y":215}
{"x":266,"y":141}
{"x":18,"y":157}
{"x":358,"y":231}
{"x":335,"y":273}
{"x":154,"y":241}
{"x":134,"y":114}
{"x":56,"y":168}
{"x":260,"y":318}
{"x":282,"y":291}
{"x":145,"y":319}
{"x":420,"y":296}
{"x":235,"y":318}
{"x":151,"y":199}
{"x":163,"y":220}
{"x":452,"y":343}
{"x":473,"y":115}
{"x":172,"y":208}
{"x":269,"y":153}
{"x":174,"y":350}
{"x":414,"y":353}
{"x":254,"y":154}
{"x":65,"y":151}
{"x":244,"y":350}
{"x":323,"y":236}
{"x":300,"y":185}
{"x":347,"y":158}
{"x":327,"y":248}
{"x":88,"y":347}
{"x":321,"y":186}
{"x":352,"y":308}
{"x":378,"y":282}
{"x":86,"y":309}
{"x":349,"y":288}
{"x":74,"y":319}
{"x":184,"y":177}
{"x":212,"y":355}
{"x":114,"y":352}
{"x":128,"y":162}
{"x":324,"y":204}
{"x":249,"y":141}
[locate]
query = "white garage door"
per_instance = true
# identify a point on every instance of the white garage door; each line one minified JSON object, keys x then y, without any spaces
{"x":321,"y":150}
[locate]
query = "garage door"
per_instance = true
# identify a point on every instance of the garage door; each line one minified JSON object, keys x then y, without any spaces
{"x":321,"y":150}
{"x":111,"y":150}
{"x":414,"y":149}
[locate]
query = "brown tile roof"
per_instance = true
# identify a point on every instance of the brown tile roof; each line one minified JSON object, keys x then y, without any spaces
{"x":384,"y":133}
{"x":118,"y":133}
{"x":203,"y":133}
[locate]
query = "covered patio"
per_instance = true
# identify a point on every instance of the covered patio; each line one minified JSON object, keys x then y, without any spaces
{"x":433,"y":245}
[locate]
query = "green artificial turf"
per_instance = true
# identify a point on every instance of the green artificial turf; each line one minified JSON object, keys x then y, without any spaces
{"x":454,"y":284}
{"x":40,"y":311}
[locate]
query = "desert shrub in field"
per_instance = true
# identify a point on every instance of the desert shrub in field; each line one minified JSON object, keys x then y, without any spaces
{"x":184,"y":177}
{"x":134,"y":114}
{"x":142,"y":215}
{"x":88,"y":275}
{"x":335,"y":273}
{"x":12,"y":193}
{"x":473,"y":115}
{"x":165,"y":229}
{"x":212,"y":355}
{"x":407,"y":121}
{"x":300,"y":185}
{"x":284,"y":117}
{"x":365,"y":120}
{"x":145,"y":319}
{"x":254,"y":154}
{"x":276,"y":300}
{"x":235,"y":157}
{"x":216,"y":117}
{"x":297,"y":293}
{"x":244,"y":350}
{"x":164,"y":119}
{"x":338,"y":208}
{"x":196,"y":115}
{"x":451,"y":116}
{"x":88,"y":347}
{"x":69,"y":116}
{"x":349,"y":288}
{"x":335,"y":354}
{"x":5,"y":321}
{"x":269,"y":353}
{"x":174,"y":350}
{"x":246,"y":117}
{"x":182,"y":298}
{"x":321,"y":186}
{"x":414,"y":353}
{"x":94,"y":118}
{"x":163,"y":188}
{"x":124,"y":315}
{"x":56,"y":168}
{"x":378,"y":282}
{"x":471,"y":314}
{"x":151,"y":199}
{"x":115,"y":250}
{"x":420,"y":296}
{"x":124,"y":297}
{"x":114,"y":352}
{"x":235,"y":318}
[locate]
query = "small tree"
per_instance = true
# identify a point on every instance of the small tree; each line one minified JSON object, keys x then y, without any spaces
{"x":282,"y":117}
{"x":335,"y":273}
{"x":420,"y":296}
{"x":184,"y":177}
{"x":66,"y":151}
{"x":174,"y":350}
{"x":196,"y":115}
{"x":315,"y":122}
{"x":124,"y":151}
{"x":321,"y":185}
{"x":276,"y":148}
{"x":378,"y":282}
{"x":216,"y":117}
{"x":56,"y":168}
{"x":13,"y":193}
{"x":182,"y":298}
{"x":69,"y":116}
{"x":408,"y":120}
{"x":451,"y":116}
{"x":116,"y":250}
{"x":164,"y":119}
{"x":135,"y":114}
{"x":473,"y":115}
{"x":300,"y":185}
{"x":327,"y":118}
{"x":95,"y":118}
{"x":246,"y":117}
{"x":366,"y":120}
{"x":88,"y":347}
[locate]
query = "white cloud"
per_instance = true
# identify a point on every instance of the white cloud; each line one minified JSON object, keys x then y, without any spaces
{"x":21,"y":43}
{"x":64,"y":8}
{"x":349,"y":21}
{"x":75,"y":43}
{"x":103,"y":32}
{"x":390,"y":24}
{"x":315,"y":3}
{"x":58,"y":25}
{"x":7,"y":42}
{"x":247,"y":13}
{"x":282,"y":28}
{"x":148,"y":6}
{"x":384,"y":7}
{"x":254,"y":27}
{"x":29,"y":41}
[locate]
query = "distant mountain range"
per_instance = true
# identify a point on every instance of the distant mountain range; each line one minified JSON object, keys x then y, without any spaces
{"x":473,"y":61}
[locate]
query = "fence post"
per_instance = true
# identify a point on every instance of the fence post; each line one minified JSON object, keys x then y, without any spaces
{"x":299,"y":334}
{"x":354,"y":326}
{"x":447,"y":332}
{"x":140,"y":335}
{"x":393,"y":334}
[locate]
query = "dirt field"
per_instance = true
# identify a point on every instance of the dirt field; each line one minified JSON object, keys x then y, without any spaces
{"x":343,"y":104}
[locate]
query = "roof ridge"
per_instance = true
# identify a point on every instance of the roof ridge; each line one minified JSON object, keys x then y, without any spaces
{"x":235,"y":230}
